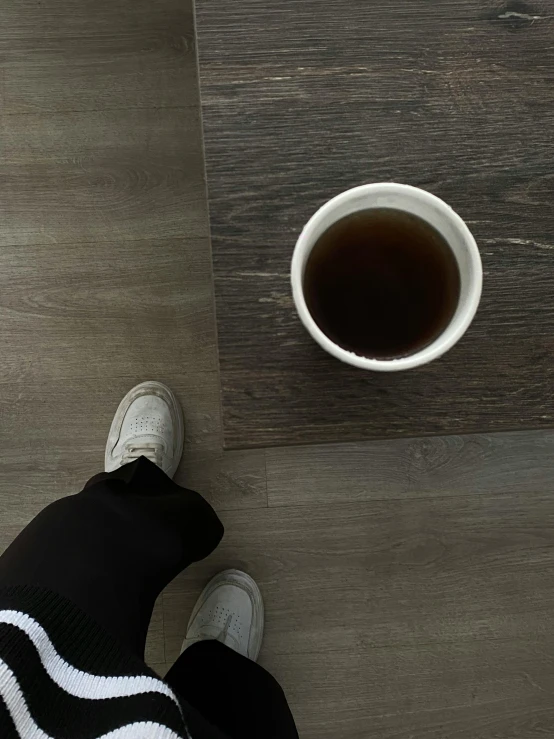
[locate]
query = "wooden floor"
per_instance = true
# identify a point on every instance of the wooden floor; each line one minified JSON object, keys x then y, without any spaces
{"x":409,"y":585}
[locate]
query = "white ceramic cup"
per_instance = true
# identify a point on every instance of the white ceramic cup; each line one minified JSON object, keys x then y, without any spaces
{"x":417,"y":202}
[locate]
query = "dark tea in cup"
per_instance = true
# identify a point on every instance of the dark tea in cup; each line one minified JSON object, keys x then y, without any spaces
{"x":382,"y":283}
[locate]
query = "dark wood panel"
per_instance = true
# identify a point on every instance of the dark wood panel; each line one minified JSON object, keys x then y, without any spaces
{"x":300,"y":103}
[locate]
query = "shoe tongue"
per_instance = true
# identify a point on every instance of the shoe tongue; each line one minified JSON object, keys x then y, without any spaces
{"x":150,"y":446}
{"x":146,"y":440}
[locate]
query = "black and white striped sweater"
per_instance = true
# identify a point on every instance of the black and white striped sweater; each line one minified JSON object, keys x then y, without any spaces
{"x":64,"y":677}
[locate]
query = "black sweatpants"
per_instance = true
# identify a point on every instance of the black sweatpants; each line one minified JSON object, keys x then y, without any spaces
{"x":111,"y":549}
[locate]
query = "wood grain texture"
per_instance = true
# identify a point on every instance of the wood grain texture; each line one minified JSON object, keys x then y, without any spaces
{"x":299,"y":103}
{"x":101,"y":176}
{"x":478,"y":464}
{"x":455,"y":691}
{"x":95,"y":73}
{"x":229,"y":480}
{"x":426,"y":618}
{"x":70,"y":19}
{"x":60,"y":302}
{"x":66,"y":55}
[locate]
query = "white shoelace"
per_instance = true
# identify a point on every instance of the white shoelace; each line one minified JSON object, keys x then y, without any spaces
{"x":153,"y":452}
{"x":224,"y":633}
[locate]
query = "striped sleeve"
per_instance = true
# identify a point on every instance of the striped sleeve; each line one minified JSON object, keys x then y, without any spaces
{"x":50,"y":691}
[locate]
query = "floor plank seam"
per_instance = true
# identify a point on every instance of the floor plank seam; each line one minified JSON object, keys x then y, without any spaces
{"x":351,"y":502}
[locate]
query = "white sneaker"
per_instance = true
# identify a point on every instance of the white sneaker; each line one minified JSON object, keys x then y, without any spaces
{"x":230,"y":610}
{"x":148,"y":423}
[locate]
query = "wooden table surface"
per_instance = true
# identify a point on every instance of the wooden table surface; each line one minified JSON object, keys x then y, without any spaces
{"x":303,"y":100}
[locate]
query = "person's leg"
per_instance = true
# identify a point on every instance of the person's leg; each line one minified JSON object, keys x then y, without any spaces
{"x":113,"y":547}
{"x":217,"y":673}
{"x":235,"y":694}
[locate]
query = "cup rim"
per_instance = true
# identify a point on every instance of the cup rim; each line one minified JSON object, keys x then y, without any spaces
{"x":444,"y":341}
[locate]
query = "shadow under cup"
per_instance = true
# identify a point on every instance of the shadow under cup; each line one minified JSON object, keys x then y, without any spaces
{"x":386,"y":277}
